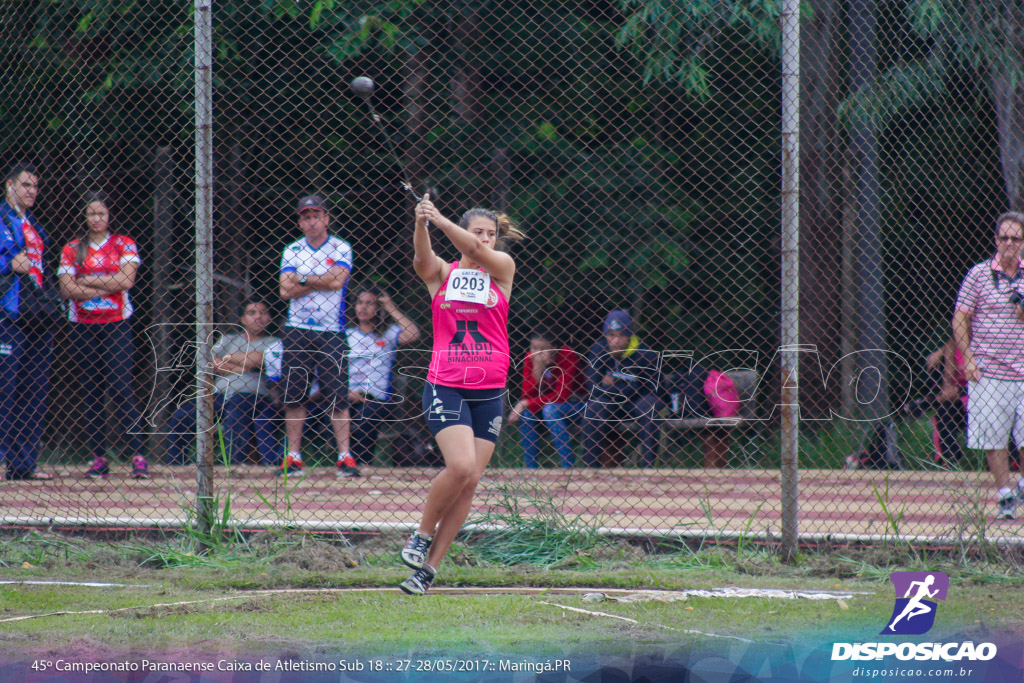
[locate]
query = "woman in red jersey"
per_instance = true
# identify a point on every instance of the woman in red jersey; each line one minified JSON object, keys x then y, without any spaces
{"x":465,"y":388}
{"x":96,"y":272}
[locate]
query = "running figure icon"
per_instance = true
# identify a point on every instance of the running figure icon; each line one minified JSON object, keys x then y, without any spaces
{"x":915,"y":607}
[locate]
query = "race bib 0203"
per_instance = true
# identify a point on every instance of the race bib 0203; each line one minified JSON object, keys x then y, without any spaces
{"x":472,"y":286}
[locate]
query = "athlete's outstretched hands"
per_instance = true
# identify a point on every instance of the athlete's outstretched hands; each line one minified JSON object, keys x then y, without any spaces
{"x":425,"y":210}
{"x":420,"y":214}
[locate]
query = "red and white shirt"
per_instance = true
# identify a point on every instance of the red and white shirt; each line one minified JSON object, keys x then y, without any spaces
{"x":103,"y":259}
{"x":33,"y":249}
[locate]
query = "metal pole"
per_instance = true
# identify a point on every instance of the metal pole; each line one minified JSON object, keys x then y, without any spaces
{"x":204,"y":261}
{"x":790,"y":309}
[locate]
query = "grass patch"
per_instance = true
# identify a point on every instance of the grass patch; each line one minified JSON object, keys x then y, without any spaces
{"x":532,"y":529}
{"x":225,"y":616}
{"x":219,"y":585}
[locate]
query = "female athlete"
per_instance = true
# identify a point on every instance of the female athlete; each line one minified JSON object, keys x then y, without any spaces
{"x":465,"y":388}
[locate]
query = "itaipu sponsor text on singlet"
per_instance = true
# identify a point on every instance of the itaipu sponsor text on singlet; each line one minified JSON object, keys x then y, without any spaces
{"x":470,"y":316}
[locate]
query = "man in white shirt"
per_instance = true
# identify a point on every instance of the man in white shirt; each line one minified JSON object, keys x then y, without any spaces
{"x":314,"y":275}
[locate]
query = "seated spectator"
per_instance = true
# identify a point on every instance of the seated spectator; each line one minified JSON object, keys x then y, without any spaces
{"x":241,"y":395}
{"x":372,"y":344}
{"x":551,"y":387}
{"x":622,"y":380}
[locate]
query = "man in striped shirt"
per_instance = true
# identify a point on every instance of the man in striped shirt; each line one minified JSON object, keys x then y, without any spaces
{"x":988,"y":328}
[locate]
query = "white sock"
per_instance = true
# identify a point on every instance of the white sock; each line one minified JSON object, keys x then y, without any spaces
{"x":1004,"y":493}
{"x":295,"y":456}
{"x":343,"y":455}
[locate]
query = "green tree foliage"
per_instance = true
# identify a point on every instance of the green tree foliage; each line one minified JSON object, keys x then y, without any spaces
{"x":956,"y":40}
{"x":675,"y":39}
{"x":627,"y":167}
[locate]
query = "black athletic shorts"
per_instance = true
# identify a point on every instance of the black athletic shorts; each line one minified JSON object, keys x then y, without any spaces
{"x":309,"y":355}
{"x":481,"y":409}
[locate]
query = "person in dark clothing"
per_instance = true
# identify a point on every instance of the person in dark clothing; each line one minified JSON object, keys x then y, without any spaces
{"x":622,"y":383}
{"x":26,"y":345}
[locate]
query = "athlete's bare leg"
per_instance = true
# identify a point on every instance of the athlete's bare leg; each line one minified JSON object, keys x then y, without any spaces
{"x":999,"y":465}
{"x":451,"y":492}
{"x":455,"y":517}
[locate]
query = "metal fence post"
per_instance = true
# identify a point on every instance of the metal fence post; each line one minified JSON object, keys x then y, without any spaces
{"x":790,"y":309}
{"x":204,"y":259}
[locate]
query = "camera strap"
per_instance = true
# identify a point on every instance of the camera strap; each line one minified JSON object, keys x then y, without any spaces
{"x":1009,"y":280}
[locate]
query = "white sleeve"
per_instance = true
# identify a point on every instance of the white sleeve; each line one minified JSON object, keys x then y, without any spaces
{"x":272,"y":355}
{"x":393,"y":333}
{"x":129,"y":251}
{"x":218,"y":348}
{"x":343,"y":255}
{"x":289,"y":261}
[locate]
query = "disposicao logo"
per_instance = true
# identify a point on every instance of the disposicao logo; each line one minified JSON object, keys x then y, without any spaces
{"x":913,"y":614}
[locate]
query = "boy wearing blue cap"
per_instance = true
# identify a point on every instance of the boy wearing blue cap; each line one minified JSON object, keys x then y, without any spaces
{"x":622,"y":381}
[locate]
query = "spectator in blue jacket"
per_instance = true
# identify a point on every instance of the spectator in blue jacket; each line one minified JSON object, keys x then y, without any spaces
{"x":622,"y":381}
{"x":26,"y":350}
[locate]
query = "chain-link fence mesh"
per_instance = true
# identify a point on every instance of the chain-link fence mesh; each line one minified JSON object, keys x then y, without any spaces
{"x":638,"y":146}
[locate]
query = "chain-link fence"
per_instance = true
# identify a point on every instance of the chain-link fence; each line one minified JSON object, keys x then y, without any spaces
{"x":639,"y":145}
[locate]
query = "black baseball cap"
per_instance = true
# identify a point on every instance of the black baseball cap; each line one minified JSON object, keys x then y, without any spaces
{"x":313,"y":201}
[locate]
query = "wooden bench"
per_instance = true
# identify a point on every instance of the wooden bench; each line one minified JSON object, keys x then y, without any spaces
{"x":716,"y":432}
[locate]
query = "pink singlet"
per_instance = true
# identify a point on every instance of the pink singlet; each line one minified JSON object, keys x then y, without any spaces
{"x":470,"y":339}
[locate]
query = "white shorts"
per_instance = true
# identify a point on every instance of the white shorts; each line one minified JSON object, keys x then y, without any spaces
{"x":995,"y":410}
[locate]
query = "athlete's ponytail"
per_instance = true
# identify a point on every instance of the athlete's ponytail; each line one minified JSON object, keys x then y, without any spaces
{"x":508,"y":233}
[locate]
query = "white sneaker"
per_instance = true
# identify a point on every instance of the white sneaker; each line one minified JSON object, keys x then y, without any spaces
{"x":1007,"y":507}
{"x":414,"y":554}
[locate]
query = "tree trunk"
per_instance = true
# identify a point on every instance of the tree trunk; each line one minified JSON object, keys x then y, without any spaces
{"x":820,"y":220}
{"x":466,"y":82}
{"x":466,"y":91}
{"x":501,"y":180}
{"x":1008,"y":94}
{"x":232,"y":237}
{"x":415,"y":72}
{"x":417,"y":121}
{"x":163,"y":299}
{"x":848,"y":295}
{"x":873,"y":380}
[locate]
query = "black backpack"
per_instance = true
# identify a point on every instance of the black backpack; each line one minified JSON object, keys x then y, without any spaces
{"x":683,"y":393}
{"x":879,"y":450}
